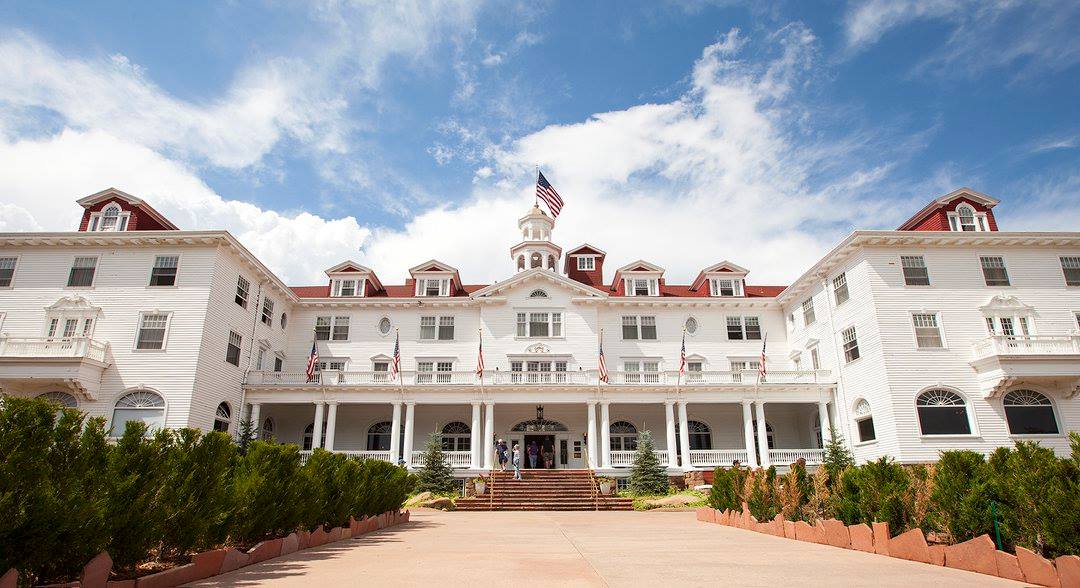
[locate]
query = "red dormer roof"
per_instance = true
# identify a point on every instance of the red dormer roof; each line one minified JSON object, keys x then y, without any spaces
{"x":934,"y":216}
{"x":407,"y":290}
{"x":143,"y":216}
{"x":722,"y":267}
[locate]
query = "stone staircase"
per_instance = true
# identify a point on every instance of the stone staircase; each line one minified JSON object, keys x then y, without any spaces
{"x":544,"y":490}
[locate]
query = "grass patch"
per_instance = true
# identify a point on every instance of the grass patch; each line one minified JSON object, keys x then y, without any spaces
{"x":695,"y":498}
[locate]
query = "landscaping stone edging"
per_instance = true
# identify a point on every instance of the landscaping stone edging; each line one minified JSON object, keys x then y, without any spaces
{"x":975,"y":555}
{"x":219,"y":561}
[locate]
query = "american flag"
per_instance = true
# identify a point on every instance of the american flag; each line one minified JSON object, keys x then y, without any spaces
{"x":312,"y":361}
{"x":480,"y":359}
{"x":547,"y":193}
{"x":603,"y":366}
{"x":682,"y":355}
{"x":395,"y":365}
{"x":761,"y":365}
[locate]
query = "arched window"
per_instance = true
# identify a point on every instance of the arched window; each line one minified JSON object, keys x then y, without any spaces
{"x":624,"y":436}
{"x":942,"y":412}
{"x":521,"y":262}
{"x":536,"y":260}
{"x":700,"y":435}
{"x":309,"y":436}
{"x":267,"y":428}
{"x":378,"y":436}
{"x":109,"y":216}
{"x":538,"y":294}
{"x":864,"y":421}
{"x":551,"y":262}
{"x":63,"y":399}
{"x":1029,"y":413}
{"x":770,"y":436}
{"x":222,"y":417}
{"x":456,"y":437}
{"x":966,"y":216}
{"x":141,"y":405}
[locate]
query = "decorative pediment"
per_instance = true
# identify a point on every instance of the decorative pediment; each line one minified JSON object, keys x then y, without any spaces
{"x":534,"y":275}
{"x":538,"y":348}
{"x":640,"y":266}
{"x":1006,"y":303}
{"x":73,"y":304}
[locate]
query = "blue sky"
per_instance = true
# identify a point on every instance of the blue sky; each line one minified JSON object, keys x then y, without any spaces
{"x":680,"y":132}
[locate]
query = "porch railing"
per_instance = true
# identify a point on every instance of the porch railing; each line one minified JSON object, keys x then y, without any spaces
{"x":383,"y":455}
{"x":789,"y":456}
{"x":625,"y":459}
{"x":455,"y":459}
{"x":717,"y":457}
{"x":1027,"y":345}
{"x":53,"y":347}
{"x":512,"y":378}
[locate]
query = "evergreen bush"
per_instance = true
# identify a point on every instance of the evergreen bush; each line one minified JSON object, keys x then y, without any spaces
{"x":647,"y":476}
{"x":435,"y":475}
{"x":268,"y":492}
{"x":726,"y":488}
{"x":874,"y":491}
{"x":196,"y":498}
{"x":962,"y":495}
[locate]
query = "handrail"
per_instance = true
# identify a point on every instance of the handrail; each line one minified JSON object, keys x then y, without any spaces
{"x":592,"y":479}
{"x":491,"y":480}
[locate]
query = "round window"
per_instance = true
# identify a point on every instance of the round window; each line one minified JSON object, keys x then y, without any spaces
{"x":384,"y":326}
{"x":691,"y":325}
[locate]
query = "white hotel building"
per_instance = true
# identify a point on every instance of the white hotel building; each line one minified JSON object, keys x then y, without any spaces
{"x":943,"y":334}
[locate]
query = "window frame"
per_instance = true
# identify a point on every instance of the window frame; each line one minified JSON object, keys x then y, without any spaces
{"x":1065,"y":273}
{"x":1061,"y":431}
{"x":638,"y":327}
{"x":266,"y":311}
{"x":716,"y":287}
{"x":239,"y":347}
{"x":437,"y":326}
{"x":836,"y":289}
{"x":904,"y":268}
{"x":809,"y":313}
{"x":334,"y":326}
{"x":14,"y":271}
{"x":72,"y":268}
{"x":113,"y":433}
{"x":123,"y":219}
{"x":938,"y":325}
{"x":175,"y":276}
{"x":422,"y":287}
{"x":1004,"y":268}
{"x":652,"y":286}
{"x":979,"y":220}
{"x":582,"y":266}
{"x":164,"y":336}
{"x":844,"y":344}
{"x":858,"y":419}
{"x":329,"y":327}
{"x":973,"y":425}
{"x":246,"y":290}
{"x":219,"y":419}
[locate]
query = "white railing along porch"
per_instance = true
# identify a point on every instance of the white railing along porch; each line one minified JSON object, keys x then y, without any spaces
{"x":456,"y":459}
{"x":1027,"y":345}
{"x":383,"y":455}
{"x":512,"y":378}
{"x":717,"y":457}
{"x":625,"y":459}
{"x":790,"y":456}
{"x":53,"y":347}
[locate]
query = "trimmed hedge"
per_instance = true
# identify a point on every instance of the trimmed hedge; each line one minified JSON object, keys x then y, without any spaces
{"x":67,"y":492}
{"x":1035,"y":493}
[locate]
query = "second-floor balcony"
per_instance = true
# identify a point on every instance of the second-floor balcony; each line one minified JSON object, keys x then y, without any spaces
{"x":540,"y":378}
{"x":1028,"y":345}
{"x":52,"y":348}
{"x":41,"y":364}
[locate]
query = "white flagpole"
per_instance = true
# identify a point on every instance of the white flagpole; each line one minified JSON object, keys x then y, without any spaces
{"x":480,"y":332}
{"x":400,"y":372}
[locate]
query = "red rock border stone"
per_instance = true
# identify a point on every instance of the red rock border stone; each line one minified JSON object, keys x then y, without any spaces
{"x":976,"y":555}
{"x":219,"y":561}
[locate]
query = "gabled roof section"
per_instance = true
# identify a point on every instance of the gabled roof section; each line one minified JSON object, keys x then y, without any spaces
{"x":539,"y":274}
{"x":639,"y":266}
{"x":351,"y":267}
{"x":113,"y":194}
{"x":584,"y":249}
{"x":718,"y":268}
{"x":966,"y":193}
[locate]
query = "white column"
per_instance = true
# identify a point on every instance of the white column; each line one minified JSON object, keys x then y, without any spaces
{"x":762,"y":434}
{"x":684,"y":437}
{"x":672,"y":451}
{"x":407,"y":447}
{"x":395,"y":434}
{"x":826,"y":424}
{"x":748,"y":434}
{"x":474,"y":439}
{"x":331,"y":425}
{"x":316,"y":433}
{"x":486,"y":444}
{"x":591,"y":439}
{"x":253,"y":416}
{"x":605,"y":436}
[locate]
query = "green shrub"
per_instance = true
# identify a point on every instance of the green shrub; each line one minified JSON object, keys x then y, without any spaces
{"x":763,"y":498}
{"x":726,"y":488}
{"x":196,"y":495}
{"x":647,"y":476}
{"x":874,"y":491}
{"x":962,"y":495}
{"x":133,"y":502}
{"x":268,"y":492}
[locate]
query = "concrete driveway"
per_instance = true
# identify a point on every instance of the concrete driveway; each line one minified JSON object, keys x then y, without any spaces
{"x":584,"y":549}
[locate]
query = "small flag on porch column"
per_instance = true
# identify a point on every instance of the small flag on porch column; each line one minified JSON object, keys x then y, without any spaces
{"x":761,"y":366}
{"x":313,"y":361}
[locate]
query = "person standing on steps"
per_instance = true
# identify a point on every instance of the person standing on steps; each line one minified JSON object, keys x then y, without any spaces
{"x":517,"y":461}
{"x":532,"y":454}
{"x":501,"y":450}
{"x":549,"y":455}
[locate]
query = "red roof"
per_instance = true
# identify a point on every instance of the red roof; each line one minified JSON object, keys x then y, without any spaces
{"x":684,"y":291}
{"x":399,"y":291}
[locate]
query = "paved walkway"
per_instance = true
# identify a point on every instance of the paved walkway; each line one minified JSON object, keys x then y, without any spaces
{"x":584,"y":549}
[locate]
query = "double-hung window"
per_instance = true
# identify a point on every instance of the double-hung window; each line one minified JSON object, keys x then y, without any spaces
{"x":647,"y":325}
{"x":586,"y":263}
{"x":347,"y":288}
{"x":851,"y":344}
{"x":1069,"y":265}
{"x":739,"y":328}
{"x":164,"y":270}
{"x":268,"y":312}
{"x":927,"y":331}
{"x":437,"y":328}
{"x":994,"y":272}
{"x":808,"y":312}
{"x":726,"y":287}
{"x":641,"y":286}
{"x":840,"y":289}
{"x":439,"y":372}
{"x":341,"y":328}
{"x":82,"y":272}
{"x":539,"y":324}
{"x":232,"y":352}
{"x":322,"y":328}
{"x":734,"y":327}
{"x":242,"y":287}
{"x":151,"y":333}
{"x":446,"y":328}
{"x":433,"y":287}
{"x":7,"y":271}
{"x":914,"y":267}
{"x":641,"y":372}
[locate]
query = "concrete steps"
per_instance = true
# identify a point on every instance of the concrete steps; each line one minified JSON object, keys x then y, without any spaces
{"x":543,"y":490}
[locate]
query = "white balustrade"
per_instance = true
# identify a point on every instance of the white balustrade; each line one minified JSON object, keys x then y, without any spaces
{"x":455,"y":459}
{"x":1027,"y":345}
{"x":46,"y":347}
{"x":625,"y":459}
{"x":717,"y":457}
{"x":382,"y":455}
{"x":790,"y":456}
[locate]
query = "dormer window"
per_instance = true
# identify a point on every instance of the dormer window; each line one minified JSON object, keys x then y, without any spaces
{"x":111,"y":218}
{"x":433,"y":287}
{"x":586,"y":263}
{"x":344,"y":287}
{"x":642,"y":287}
{"x":726,"y":287}
{"x":964,"y":218}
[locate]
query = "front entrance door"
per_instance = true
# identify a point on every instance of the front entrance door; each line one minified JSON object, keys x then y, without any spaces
{"x":546,"y":452}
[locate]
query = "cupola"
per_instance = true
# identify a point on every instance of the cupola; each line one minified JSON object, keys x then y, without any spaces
{"x":535,"y":249}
